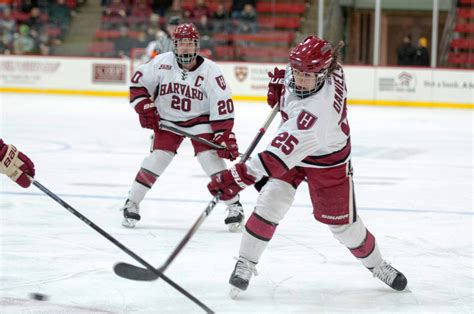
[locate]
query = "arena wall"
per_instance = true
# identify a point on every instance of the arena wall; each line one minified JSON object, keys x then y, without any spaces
{"x":378,"y":86}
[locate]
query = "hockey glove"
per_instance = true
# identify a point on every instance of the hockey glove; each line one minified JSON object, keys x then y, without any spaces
{"x":16,"y":165}
{"x":276,"y":86}
{"x":230,"y":182}
{"x":148,"y":115}
{"x":228,"y":140}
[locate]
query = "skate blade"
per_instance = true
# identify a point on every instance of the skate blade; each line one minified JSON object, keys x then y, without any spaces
{"x":234,"y":292}
{"x":129,"y":223}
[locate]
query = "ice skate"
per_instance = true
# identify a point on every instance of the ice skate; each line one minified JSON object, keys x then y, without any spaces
{"x":130,"y":214}
{"x":235,"y":217}
{"x":391,"y":276}
{"x":239,"y":280}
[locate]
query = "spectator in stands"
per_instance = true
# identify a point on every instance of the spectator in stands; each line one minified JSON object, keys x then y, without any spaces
{"x":160,"y":7}
{"x":23,"y":43}
{"x":60,"y":15}
{"x":176,"y":10}
{"x":141,"y":41}
{"x":26,"y":6}
{"x":200,"y":9}
{"x":206,"y":30}
{"x":123,"y":43}
{"x":35,"y":22}
{"x":115,"y":8}
{"x":248,"y":20}
{"x":5,"y":4}
{"x":7,"y":23}
{"x":141,"y":8}
{"x":406,"y":52}
{"x":205,"y":27}
{"x":422,"y":56}
{"x":238,"y":6}
{"x":5,"y":43}
{"x":220,"y":19}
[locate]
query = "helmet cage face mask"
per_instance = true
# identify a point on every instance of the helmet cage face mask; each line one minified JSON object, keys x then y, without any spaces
{"x":303,"y":89}
{"x":186,"y":58}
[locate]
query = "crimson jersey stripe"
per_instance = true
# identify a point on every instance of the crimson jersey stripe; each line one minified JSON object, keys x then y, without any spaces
{"x":204,"y":119}
{"x":274,"y":166}
{"x":331,"y":159}
{"x":136,"y":92}
{"x":222,"y":125}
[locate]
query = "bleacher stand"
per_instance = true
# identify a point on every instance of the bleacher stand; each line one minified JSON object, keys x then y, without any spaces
{"x":230,"y":29}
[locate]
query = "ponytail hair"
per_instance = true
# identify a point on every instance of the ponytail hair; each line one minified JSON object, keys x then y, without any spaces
{"x":335,"y":63}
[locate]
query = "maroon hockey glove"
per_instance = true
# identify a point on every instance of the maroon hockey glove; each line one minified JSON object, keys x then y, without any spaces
{"x":16,"y":165}
{"x":230,"y":182}
{"x":276,"y":86}
{"x":148,"y":115}
{"x":228,"y":140}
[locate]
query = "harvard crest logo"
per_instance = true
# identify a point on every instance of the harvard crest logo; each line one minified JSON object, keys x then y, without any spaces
{"x":241,"y":73}
{"x":305,"y":120}
{"x":221,"y":82}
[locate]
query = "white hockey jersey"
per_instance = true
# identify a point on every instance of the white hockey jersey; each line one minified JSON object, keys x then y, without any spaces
{"x":314,"y":132}
{"x":197,"y":101}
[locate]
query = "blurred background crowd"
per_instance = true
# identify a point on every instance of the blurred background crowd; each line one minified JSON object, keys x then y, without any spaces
{"x":240,"y":30}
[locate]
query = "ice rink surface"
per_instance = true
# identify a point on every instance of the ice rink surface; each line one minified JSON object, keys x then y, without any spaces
{"x":414,"y":190}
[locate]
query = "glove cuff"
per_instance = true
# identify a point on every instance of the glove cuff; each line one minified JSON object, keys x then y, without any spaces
{"x":145,"y":105}
{"x":241,"y":176}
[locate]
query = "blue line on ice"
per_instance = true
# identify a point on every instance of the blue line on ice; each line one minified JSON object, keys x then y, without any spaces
{"x":177,"y":200}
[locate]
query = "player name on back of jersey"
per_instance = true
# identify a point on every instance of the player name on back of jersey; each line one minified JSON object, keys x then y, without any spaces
{"x":181,"y":89}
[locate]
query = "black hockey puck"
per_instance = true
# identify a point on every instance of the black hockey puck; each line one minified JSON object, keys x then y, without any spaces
{"x":38,"y":296}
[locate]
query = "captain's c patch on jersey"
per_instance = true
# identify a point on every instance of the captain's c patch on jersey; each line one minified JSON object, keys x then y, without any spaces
{"x":305,"y":120}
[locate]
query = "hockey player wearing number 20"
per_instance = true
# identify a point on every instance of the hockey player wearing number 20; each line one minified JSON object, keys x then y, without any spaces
{"x":187,"y":92}
{"x":313,"y":144}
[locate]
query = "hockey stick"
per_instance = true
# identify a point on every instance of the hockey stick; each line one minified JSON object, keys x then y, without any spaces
{"x":191,"y":136}
{"x":133,"y":272}
{"x":194,"y":137}
{"x":119,"y":245}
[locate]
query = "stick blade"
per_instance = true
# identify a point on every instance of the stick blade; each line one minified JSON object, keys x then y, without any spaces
{"x":133,"y":272}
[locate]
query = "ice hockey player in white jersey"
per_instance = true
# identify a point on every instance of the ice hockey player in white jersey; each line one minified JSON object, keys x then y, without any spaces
{"x":313,"y":144}
{"x":183,"y":90}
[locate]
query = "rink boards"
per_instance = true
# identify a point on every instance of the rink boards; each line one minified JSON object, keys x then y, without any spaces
{"x":367,"y":85}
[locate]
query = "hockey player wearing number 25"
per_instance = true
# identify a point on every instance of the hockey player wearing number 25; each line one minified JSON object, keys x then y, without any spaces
{"x":183,"y":90}
{"x":313,"y":144}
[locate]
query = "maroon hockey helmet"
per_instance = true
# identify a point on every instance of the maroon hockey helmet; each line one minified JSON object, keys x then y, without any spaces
{"x":186,"y":31}
{"x":312,"y":55}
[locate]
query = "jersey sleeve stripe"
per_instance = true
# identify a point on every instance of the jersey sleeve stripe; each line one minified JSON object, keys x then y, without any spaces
{"x":204,"y":119}
{"x":136,"y":92}
{"x":273,"y":165}
{"x":332,"y":159}
{"x":222,"y":125}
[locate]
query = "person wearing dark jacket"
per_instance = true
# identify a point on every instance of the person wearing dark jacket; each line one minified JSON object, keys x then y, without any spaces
{"x":406,"y":52}
{"x":422,"y":56}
